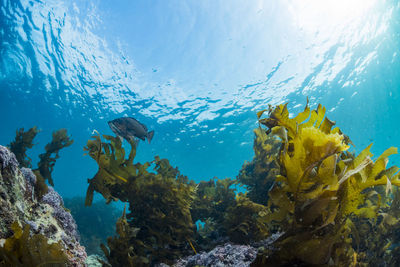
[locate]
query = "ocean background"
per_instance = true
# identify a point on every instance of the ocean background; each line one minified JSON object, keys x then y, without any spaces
{"x":195,"y":72}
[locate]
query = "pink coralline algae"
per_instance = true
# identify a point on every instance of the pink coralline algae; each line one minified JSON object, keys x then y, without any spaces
{"x":7,"y":159}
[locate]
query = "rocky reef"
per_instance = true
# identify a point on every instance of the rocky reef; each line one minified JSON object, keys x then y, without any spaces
{"x":309,"y":201}
{"x":33,"y":231}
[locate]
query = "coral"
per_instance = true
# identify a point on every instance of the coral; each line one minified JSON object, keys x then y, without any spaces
{"x":321,"y":190}
{"x":23,"y":250}
{"x":23,"y":141}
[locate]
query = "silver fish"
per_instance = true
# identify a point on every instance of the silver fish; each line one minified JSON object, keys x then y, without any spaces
{"x":129,"y":128}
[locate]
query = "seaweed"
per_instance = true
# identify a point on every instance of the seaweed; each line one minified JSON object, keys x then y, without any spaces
{"x":302,"y":183}
{"x":212,"y":199}
{"x":160,"y":207}
{"x":120,"y":251}
{"x":21,"y":249}
{"x":23,"y":141}
{"x":47,"y":162}
{"x":114,"y":170}
{"x":211,"y":202}
{"x":159,"y":203}
{"x":245,"y":221}
{"x":258,"y":175}
{"x":379,"y":244}
{"x":321,"y":190}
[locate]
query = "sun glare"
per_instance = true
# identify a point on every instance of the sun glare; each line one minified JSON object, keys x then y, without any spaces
{"x":316,"y":15}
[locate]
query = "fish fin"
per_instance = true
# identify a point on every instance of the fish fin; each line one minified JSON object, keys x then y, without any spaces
{"x":150,"y":136}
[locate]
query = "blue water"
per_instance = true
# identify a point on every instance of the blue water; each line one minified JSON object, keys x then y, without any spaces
{"x":195,"y":72}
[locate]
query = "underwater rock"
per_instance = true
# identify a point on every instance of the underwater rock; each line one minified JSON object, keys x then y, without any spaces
{"x":94,"y":261}
{"x":53,"y":198}
{"x":29,"y":176}
{"x":226,"y":255}
{"x":47,"y":217}
{"x":7,"y":159}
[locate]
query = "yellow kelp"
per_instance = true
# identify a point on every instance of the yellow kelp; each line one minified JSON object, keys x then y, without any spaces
{"x":321,"y":189}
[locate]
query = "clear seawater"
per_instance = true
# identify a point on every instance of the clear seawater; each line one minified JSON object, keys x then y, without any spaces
{"x":195,"y":72}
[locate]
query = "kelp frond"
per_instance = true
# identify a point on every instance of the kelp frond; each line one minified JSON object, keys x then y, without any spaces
{"x":48,"y":159}
{"x":23,"y":141}
{"x":159,"y":202}
{"x":321,"y":189}
{"x":24,"y":250}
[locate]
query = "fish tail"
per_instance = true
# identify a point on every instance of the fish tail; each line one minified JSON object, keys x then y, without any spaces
{"x":150,"y":136}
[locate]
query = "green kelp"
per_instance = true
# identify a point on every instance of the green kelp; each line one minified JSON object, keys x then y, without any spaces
{"x":159,"y":203}
{"x":258,"y":175}
{"x":23,"y":141}
{"x":321,"y":190}
{"x":21,"y":249}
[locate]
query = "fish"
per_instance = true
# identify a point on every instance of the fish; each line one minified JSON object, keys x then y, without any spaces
{"x":129,"y":128}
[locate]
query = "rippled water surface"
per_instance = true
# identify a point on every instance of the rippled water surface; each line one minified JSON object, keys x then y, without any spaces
{"x":195,"y":72}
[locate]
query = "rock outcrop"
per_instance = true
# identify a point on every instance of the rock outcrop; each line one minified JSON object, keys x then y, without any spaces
{"x":226,"y":255}
{"x":46,"y":216}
